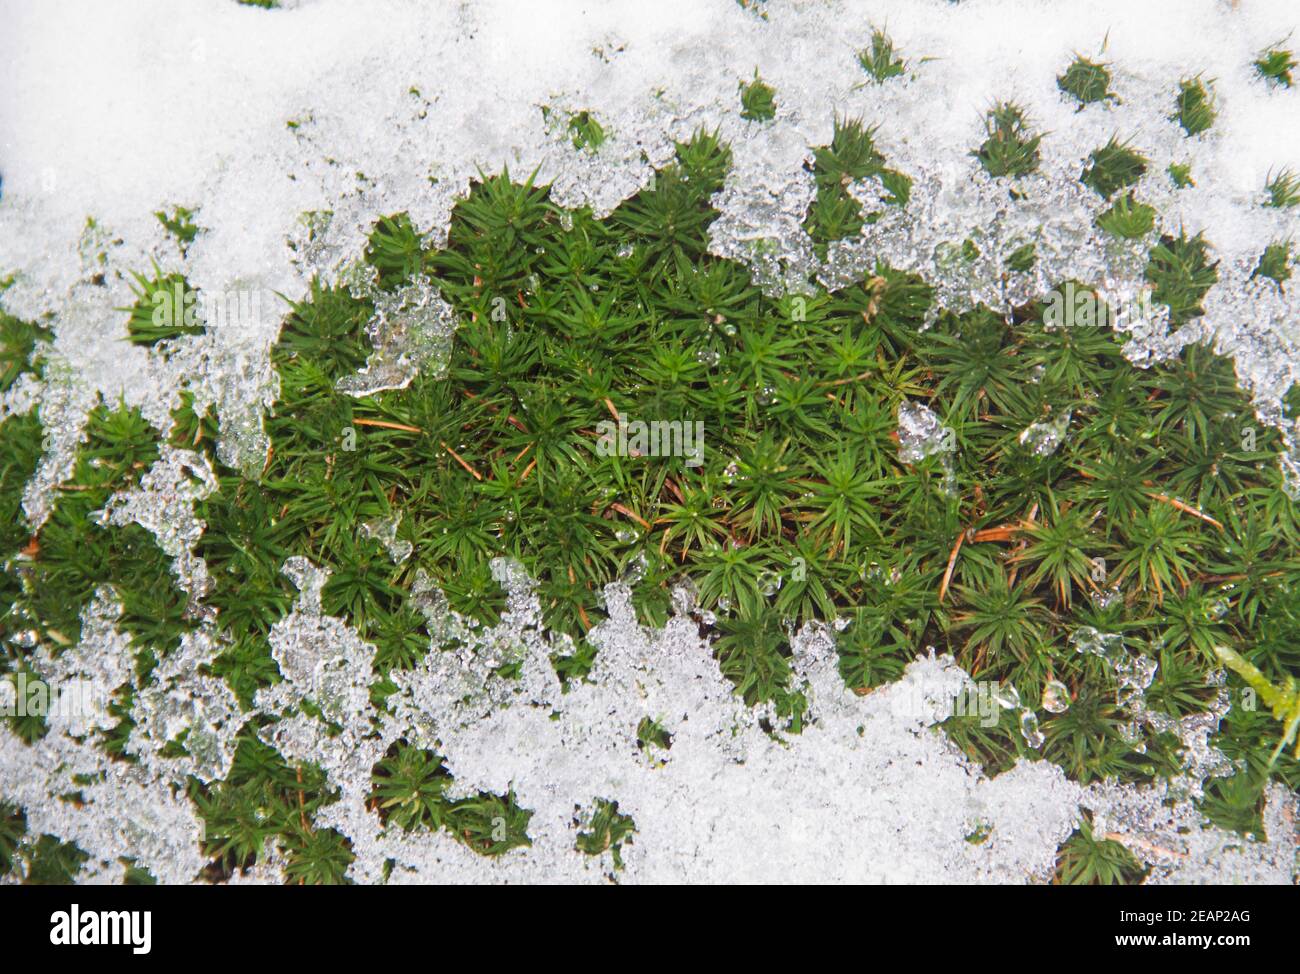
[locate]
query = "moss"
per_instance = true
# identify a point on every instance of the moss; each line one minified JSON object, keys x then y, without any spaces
{"x":1275,"y":66}
{"x":797,"y":505}
{"x":1283,"y":189}
{"x":606,"y":829}
{"x":1128,"y":218}
{"x":166,"y":309}
{"x":1181,"y":271}
{"x":1194,"y":109}
{"x":880,"y":60}
{"x":757,"y":100}
{"x":409,"y":793}
{"x":1087,"y":82}
{"x":1113,"y":167}
{"x":73,"y":553}
{"x":1275,"y":263}
{"x":852,"y":155}
{"x":180,"y":224}
{"x":798,"y":486}
{"x":1011,"y":149}
{"x":1085,"y":860}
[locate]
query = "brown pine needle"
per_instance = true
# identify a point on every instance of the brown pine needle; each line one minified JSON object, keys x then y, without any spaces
{"x":387,"y":425}
{"x":1187,"y":509}
{"x":527,"y":470}
{"x":855,"y":378}
{"x":952,"y":563}
{"x":459,"y":459}
{"x":1003,"y":532}
{"x":632,"y":514}
{"x":512,"y":420}
{"x":612,"y":411}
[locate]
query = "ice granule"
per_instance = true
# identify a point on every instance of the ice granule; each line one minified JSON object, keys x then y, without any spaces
{"x":920,"y":433}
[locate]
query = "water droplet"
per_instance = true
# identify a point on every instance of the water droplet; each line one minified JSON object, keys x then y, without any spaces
{"x":1216,"y":610}
{"x":1029,"y":729}
{"x":769,"y":583}
{"x":1056,"y":697}
{"x":1105,"y":598}
{"x":1108,"y":645}
{"x":1006,"y":696}
{"x":636,"y":569}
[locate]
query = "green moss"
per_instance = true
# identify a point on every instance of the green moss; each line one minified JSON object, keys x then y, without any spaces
{"x":263,"y":798}
{"x":20,"y":452}
{"x":1085,"y":860}
{"x":1011,"y":149}
{"x":1275,"y":66}
{"x":880,"y":60}
{"x":585,"y":132}
{"x":409,"y":793}
{"x":650,"y":733}
{"x":13,"y":826}
{"x":605,"y":830}
{"x":1180,"y":270}
{"x":852,"y":155}
{"x":18,"y":341}
{"x":1180,"y":174}
{"x":757,"y":100}
{"x":180,"y":224}
{"x":51,"y":862}
{"x":1022,"y":259}
{"x":798,"y":486}
{"x":1275,"y":262}
{"x":1283,"y":189}
{"x":1128,"y":219}
{"x":1086,"y":81}
{"x":73,"y":554}
{"x":1113,"y":167}
{"x":796,"y":507}
{"x":1194,"y":109}
{"x":165,"y":309}
{"x":394,"y":249}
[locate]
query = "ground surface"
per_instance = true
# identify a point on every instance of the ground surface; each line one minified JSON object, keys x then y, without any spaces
{"x":363,"y":582}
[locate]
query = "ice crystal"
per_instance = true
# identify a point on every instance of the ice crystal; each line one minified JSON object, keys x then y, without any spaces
{"x":921,"y":433}
{"x":1042,"y":438}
